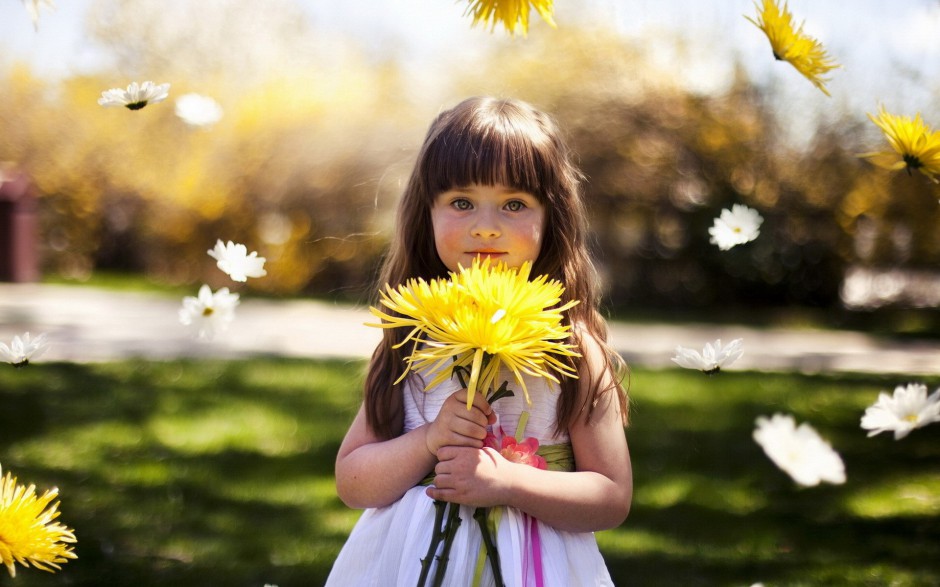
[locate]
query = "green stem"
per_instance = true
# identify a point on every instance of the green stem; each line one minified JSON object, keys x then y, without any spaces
{"x":461,"y":372}
{"x":436,"y":536}
{"x":491,"y":553}
{"x":450,"y":532}
{"x":500,"y":393}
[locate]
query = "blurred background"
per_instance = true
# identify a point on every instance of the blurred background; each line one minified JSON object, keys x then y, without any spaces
{"x":676,"y":109}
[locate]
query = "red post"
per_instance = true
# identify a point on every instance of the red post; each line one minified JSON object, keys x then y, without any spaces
{"x":19,"y":223}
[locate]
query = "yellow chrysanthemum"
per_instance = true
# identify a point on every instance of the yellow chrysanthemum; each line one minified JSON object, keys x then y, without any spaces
{"x":915,"y":145}
{"x":803,"y":52}
{"x":480,"y":319}
{"x":514,"y":14}
{"x":28,"y":534}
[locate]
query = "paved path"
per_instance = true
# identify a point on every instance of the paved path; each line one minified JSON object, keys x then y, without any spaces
{"x":85,"y":324}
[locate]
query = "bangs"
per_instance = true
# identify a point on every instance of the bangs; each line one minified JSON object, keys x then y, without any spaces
{"x":501,"y":150}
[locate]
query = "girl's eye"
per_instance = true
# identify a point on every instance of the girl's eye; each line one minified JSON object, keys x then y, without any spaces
{"x":515,"y":205}
{"x":461,"y":204}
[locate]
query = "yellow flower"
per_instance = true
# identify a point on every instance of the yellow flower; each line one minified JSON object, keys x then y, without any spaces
{"x":803,"y":52}
{"x":480,"y":319}
{"x":915,"y":145}
{"x":28,"y":535}
{"x":514,"y":14}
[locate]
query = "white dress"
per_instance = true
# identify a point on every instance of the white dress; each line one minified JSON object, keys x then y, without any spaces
{"x":387,"y":544}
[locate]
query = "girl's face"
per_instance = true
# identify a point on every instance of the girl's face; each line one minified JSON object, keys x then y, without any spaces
{"x":487,"y":221}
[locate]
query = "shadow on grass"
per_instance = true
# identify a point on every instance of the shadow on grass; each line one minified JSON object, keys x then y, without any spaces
{"x":711,"y":509}
{"x":179,"y":473}
{"x":221,"y":473}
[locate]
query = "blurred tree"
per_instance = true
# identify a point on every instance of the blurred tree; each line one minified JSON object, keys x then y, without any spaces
{"x":297,"y":168}
{"x":316,"y":141}
{"x":662,"y":161}
{"x":240,"y":41}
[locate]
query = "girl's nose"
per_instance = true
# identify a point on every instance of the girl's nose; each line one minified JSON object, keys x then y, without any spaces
{"x":485,"y":227}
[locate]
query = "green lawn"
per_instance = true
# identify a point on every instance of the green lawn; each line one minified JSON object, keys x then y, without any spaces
{"x":219,"y":473}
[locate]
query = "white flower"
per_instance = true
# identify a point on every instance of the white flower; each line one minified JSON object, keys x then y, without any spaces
{"x":198,"y":110}
{"x":235,"y":261}
{"x":712,"y":358}
{"x":907,"y":409}
{"x":799,"y":451}
{"x":21,"y":350}
{"x":135,"y":97}
{"x":736,"y":226}
{"x":210,"y":313}
{"x":32,"y":7}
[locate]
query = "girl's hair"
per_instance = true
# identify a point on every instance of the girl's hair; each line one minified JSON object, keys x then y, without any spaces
{"x":489,"y":141}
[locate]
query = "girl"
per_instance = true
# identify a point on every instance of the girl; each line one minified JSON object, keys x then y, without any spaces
{"x":493,"y":179}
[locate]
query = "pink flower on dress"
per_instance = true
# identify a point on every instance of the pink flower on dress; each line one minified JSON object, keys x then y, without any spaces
{"x":518,"y":452}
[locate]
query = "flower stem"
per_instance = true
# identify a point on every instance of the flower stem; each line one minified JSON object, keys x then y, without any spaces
{"x":500,"y":393}
{"x":436,"y":537}
{"x":492,"y":554}
{"x":450,"y":532}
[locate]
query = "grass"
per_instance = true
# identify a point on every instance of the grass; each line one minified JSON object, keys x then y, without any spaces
{"x":119,"y":281}
{"x":220,"y":473}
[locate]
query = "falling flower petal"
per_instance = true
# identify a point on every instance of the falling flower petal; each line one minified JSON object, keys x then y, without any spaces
{"x":712,"y":358}
{"x":915,"y":145}
{"x":789,"y":44}
{"x":198,"y":110}
{"x":22,"y":350}
{"x":514,"y":14}
{"x":209,"y":313}
{"x":799,"y":451}
{"x":29,"y":534}
{"x":908,"y":408}
{"x":235,"y":261}
{"x":734,"y":227}
{"x":135,"y":96}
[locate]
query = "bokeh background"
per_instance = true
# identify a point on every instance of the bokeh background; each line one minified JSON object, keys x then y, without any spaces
{"x":676,"y":109}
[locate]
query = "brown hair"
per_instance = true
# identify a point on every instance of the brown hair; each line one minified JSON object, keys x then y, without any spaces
{"x":489,"y":141}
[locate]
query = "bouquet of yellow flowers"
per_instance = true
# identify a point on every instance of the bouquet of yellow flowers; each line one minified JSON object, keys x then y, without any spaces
{"x":480,"y":319}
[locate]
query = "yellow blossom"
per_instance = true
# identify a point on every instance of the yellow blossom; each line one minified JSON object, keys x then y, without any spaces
{"x":480,"y":319}
{"x":803,"y":52}
{"x":514,"y":14}
{"x":915,"y":145}
{"x":28,"y":534}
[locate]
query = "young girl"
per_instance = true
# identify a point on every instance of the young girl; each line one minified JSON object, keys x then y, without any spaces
{"x":493,"y":179}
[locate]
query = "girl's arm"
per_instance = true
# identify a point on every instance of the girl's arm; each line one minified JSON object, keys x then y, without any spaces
{"x":375,"y":472}
{"x":595,"y":497}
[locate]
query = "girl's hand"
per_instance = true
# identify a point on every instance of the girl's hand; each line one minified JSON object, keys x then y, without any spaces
{"x":455,"y":425}
{"x":471,"y":476}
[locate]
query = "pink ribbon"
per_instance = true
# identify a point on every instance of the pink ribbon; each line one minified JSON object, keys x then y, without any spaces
{"x":532,"y":553}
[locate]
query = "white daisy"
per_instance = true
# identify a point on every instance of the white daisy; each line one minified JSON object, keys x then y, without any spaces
{"x":907,"y":409}
{"x":135,"y":96}
{"x":799,"y":451}
{"x":209,"y":313}
{"x":235,"y":261}
{"x":32,"y":7}
{"x":198,"y":110}
{"x":736,"y":226}
{"x":21,"y":350}
{"x":712,"y":358}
